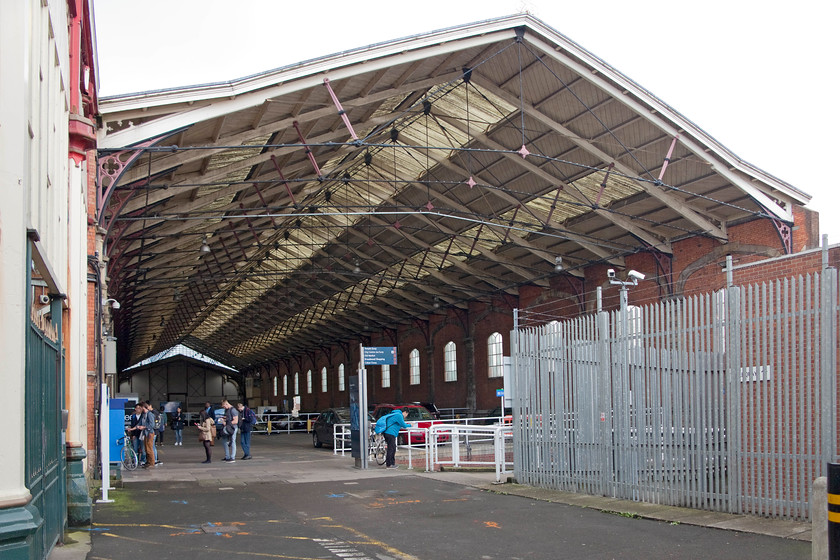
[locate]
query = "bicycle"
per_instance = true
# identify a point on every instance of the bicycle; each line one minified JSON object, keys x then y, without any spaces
{"x":378,"y":447}
{"x":128,"y":456}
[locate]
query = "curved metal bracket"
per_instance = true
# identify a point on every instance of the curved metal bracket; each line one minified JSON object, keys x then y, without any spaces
{"x":577,"y":286}
{"x":785,"y":234}
{"x":665,"y":266}
{"x":111,"y":166}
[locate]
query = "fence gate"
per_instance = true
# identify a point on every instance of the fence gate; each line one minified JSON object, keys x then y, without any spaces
{"x":723,"y":401}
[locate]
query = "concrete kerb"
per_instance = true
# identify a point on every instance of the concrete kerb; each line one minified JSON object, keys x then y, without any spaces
{"x":796,"y":530}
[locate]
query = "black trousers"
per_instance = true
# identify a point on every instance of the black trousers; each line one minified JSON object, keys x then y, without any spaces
{"x":391,"y":451}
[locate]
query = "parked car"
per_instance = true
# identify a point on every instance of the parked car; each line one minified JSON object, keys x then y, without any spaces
{"x":418,"y":415}
{"x":433,"y":410}
{"x":494,"y":415}
{"x":323,"y":429}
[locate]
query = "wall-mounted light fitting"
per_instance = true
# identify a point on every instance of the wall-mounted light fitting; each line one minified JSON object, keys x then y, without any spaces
{"x":205,"y":248}
{"x":558,"y":264}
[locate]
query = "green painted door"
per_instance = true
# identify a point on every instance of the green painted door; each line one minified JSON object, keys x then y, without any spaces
{"x":45,"y":463}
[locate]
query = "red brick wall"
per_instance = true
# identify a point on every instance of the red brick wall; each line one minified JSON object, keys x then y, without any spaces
{"x":696,"y":267}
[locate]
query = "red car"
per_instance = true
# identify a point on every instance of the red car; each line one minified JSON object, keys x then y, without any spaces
{"x":419,"y":416}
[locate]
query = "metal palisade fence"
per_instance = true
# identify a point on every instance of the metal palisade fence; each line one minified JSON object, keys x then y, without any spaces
{"x":724,"y":401}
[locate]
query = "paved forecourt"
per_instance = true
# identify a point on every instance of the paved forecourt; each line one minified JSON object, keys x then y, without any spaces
{"x":293,"y":501}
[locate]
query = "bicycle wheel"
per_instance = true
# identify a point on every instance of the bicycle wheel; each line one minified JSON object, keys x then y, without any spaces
{"x":377,"y":451}
{"x":129,"y":458}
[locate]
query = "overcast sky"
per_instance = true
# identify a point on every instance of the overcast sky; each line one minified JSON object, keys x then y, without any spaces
{"x":758,"y":76}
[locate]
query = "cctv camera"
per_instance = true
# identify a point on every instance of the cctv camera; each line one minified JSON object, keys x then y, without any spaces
{"x":116,"y":305}
{"x":610,"y":273}
{"x":635,"y":274}
{"x":44,"y":299}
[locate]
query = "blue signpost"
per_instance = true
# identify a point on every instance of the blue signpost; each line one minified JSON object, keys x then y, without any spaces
{"x":380,"y":355}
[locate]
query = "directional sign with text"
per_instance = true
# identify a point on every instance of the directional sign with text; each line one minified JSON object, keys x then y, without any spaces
{"x":380,"y":355}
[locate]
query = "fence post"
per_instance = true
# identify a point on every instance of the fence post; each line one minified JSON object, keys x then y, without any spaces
{"x":605,"y":402}
{"x":734,"y":410}
{"x":828,"y":359}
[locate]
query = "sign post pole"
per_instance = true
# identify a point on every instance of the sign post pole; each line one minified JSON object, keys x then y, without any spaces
{"x":364,"y":428}
{"x":373,"y":355}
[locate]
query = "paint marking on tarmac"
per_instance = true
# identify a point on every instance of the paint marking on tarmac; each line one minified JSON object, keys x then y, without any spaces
{"x":170,"y":545}
{"x":342,"y":549}
{"x":369,"y":541}
{"x":107,"y":525}
{"x":387,"y":502}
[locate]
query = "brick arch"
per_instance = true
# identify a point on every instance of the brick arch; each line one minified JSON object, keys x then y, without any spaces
{"x":718,"y":253}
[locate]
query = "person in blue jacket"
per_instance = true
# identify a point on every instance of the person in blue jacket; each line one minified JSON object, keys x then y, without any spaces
{"x":394,"y":422}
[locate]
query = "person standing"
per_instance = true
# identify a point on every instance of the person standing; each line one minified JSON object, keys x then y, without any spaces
{"x":230,"y":430}
{"x":206,"y":432}
{"x":149,"y":436}
{"x":178,"y":422}
{"x":161,"y":426}
{"x":135,"y":431}
{"x":247,"y":420}
{"x":394,"y":422}
{"x":153,"y":414}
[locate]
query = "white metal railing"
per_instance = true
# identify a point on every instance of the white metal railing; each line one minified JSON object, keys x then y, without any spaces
{"x":458,"y":444}
{"x":464,"y":445}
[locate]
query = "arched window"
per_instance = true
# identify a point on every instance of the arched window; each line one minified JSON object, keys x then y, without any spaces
{"x":275,"y":385}
{"x":414,"y":367}
{"x":285,"y":384}
{"x":340,"y":377}
{"x":495,"y":352}
{"x":324,"y":379}
{"x":450,"y":365}
{"x":386,"y":375}
{"x":309,"y":382}
{"x":297,"y":383}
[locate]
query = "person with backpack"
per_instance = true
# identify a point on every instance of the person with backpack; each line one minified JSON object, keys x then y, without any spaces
{"x":230,"y":429}
{"x":390,"y":426}
{"x":161,"y":426}
{"x":247,"y":421}
{"x":154,"y":416}
{"x":149,"y":436}
{"x":206,"y":432}
{"x":178,"y":422}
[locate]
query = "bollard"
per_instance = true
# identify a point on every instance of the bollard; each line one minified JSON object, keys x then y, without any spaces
{"x":834,"y":511}
{"x":819,"y":519}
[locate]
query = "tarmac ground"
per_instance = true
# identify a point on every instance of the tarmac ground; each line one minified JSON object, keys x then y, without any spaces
{"x":292,"y":501}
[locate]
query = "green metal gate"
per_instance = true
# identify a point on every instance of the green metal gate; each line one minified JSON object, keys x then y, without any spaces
{"x":45,"y":462}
